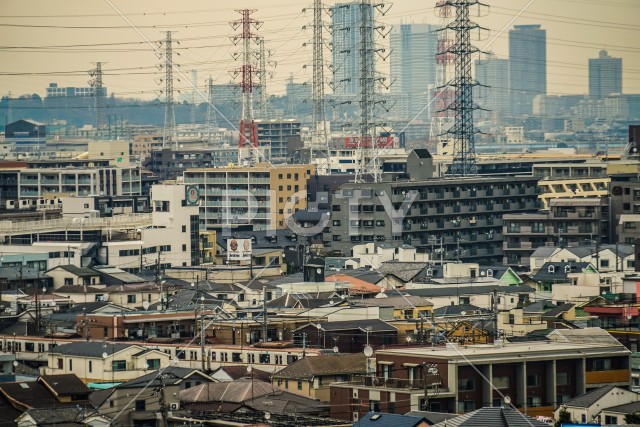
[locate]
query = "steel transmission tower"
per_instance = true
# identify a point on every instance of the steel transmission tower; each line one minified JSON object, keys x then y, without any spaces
{"x":248,"y":129}
{"x":367,"y":142}
{"x":264,"y":54}
{"x":212,"y":123}
{"x":320,"y":133}
{"x":98,"y":93}
{"x":169,"y":133}
{"x":462,"y":131}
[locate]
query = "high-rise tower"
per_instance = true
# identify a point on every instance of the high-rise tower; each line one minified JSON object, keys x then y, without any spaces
{"x":605,"y":75}
{"x":413,"y":68}
{"x":527,"y":67}
{"x":493,"y":95}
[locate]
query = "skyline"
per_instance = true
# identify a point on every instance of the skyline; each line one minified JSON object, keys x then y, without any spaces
{"x":62,"y":46}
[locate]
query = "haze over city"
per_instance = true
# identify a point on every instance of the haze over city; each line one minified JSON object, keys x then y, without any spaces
{"x":58,"y":41}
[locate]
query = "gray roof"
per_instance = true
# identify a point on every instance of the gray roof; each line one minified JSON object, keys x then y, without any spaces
{"x":559,"y":274}
{"x":543,"y":252}
{"x":492,"y":416}
{"x":118,"y":274}
{"x":589,"y":398}
{"x":91,"y":307}
{"x":468,"y":290}
{"x":366,"y":274}
{"x":405,"y":271}
{"x":627,"y":408}
{"x":432,"y":417}
{"x":78,"y":271}
{"x":397,"y":302}
{"x":90,"y":348}
{"x":457,"y":310}
{"x":557,"y":311}
{"x":377,"y":419}
{"x":12,"y":274}
{"x":171,"y":375}
{"x":375,"y":325}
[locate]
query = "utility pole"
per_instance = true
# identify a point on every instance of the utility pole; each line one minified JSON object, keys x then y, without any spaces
{"x":495,"y":314}
{"x":158,"y":281}
{"x":202,"y":336}
{"x":264,"y":313}
{"x":212,"y":124}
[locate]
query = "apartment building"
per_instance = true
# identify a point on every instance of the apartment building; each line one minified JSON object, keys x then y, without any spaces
{"x":262,"y":196}
{"x":568,"y":222}
{"x":452,"y":218}
{"x":536,"y":376}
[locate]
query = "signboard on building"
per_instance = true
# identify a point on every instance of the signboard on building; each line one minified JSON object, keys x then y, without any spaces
{"x":192,"y":195}
{"x":239,"y":249}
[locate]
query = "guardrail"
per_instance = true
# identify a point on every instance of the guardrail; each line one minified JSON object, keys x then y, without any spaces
{"x":126,"y":221}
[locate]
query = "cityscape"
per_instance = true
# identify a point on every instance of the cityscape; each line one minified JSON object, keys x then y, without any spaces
{"x":320,"y":213}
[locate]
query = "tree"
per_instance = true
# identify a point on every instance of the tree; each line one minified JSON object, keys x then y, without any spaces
{"x":633,"y":418}
{"x":563,"y":417}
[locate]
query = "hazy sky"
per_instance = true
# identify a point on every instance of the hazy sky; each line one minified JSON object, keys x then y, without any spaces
{"x":58,"y":41}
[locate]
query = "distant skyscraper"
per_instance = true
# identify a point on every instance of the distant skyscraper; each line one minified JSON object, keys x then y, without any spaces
{"x":605,"y":75}
{"x":527,"y":66}
{"x":493,"y":93}
{"x":347,"y":22}
{"x":413,"y":68}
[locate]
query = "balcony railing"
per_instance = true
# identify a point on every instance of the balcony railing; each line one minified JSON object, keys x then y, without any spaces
{"x":395,"y":383}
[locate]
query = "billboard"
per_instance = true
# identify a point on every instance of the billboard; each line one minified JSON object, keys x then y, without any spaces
{"x":239,"y":249}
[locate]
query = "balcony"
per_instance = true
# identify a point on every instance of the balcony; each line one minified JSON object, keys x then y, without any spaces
{"x":607,"y":377}
{"x":395,"y":383}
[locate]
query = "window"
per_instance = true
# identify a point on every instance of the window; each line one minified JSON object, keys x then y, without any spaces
{"x":71,"y":364}
{"x":466,"y":406}
{"x":119,"y":365}
{"x":131,"y":299}
{"x":501,"y":382}
{"x":153,"y":363}
{"x":374,"y":405}
{"x":604,"y":263}
{"x":68,"y":281}
{"x":299,"y":385}
{"x":336,"y":237}
{"x":563,"y":378}
{"x":601,"y":364}
{"x":533,"y":401}
{"x":610,"y":419}
{"x":140,"y":405}
{"x":551,"y":269}
{"x":466,"y":384}
{"x":90,"y":366}
{"x":380,"y":222}
{"x":336,"y":222}
{"x":60,"y":362}
{"x":533,"y":380}
{"x":184,"y":228}
{"x":184,"y":248}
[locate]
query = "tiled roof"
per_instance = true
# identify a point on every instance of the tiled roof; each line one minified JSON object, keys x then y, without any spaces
{"x":377,"y":419}
{"x":171,"y":375}
{"x":493,"y":416}
{"x":308,"y":367}
{"x":65,"y":384}
{"x":89,"y":349}
{"x":589,"y":398}
{"x":373,"y":325}
{"x":397,"y":302}
{"x":558,"y":274}
{"x":27,"y":395}
{"x":405,"y":271}
{"x":229,"y":392}
{"x":78,"y":271}
{"x":627,"y":408}
{"x":457,"y":310}
{"x":468,"y":290}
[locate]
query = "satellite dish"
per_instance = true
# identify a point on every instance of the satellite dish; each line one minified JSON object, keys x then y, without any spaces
{"x":319,"y":326}
{"x":105,"y":355}
{"x":267,"y":415}
{"x":331,"y":302}
{"x":15,"y":363}
{"x":249,"y":368}
{"x":336,"y":350}
{"x":507,"y":400}
{"x":368,"y":351}
{"x":145,"y":305}
{"x":463,"y":313}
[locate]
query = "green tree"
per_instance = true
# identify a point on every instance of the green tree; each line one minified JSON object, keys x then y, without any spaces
{"x":633,"y":418}
{"x":563,"y":417}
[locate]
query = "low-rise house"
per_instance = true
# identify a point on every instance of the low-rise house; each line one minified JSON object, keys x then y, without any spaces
{"x":137,"y":401}
{"x":233,"y":373}
{"x":283,"y":402}
{"x":616,"y":415}
{"x":347,"y":336}
{"x":97,"y":362}
{"x":72,"y":275}
{"x":404,"y":307}
{"x":508,"y":297}
{"x":243,"y":294}
{"x":312,"y":376}
{"x":537,"y":375}
{"x":587,"y":407}
{"x":571,"y":273}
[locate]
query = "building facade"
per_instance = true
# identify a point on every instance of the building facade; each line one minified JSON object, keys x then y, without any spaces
{"x":261,"y":196}
{"x":493,"y":93}
{"x":527,"y":66}
{"x":605,"y":75}
{"x":413,"y":68}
